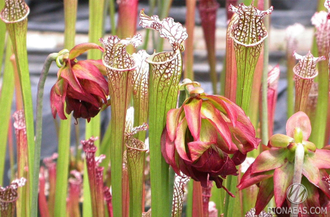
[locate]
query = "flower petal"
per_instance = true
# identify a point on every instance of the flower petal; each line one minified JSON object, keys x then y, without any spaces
{"x":168,"y":151}
{"x":250,"y":178}
{"x":82,"y":48}
{"x":269,"y":160}
{"x":311,"y":172}
{"x":172,"y":122}
{"x":224,"y":105}
{"x":180,"y":140}
{"x":67,"y":74}
{"x":57,"y":98}
{"x":197,"y":148}
{"x":192,"y":112}
{"x":87,"y":70}
{"x":210,"y":112}
{"x":266,"y":192}
{"x":320,"y":158}
{"x":282,"y":180}
{"x":300,"y":120}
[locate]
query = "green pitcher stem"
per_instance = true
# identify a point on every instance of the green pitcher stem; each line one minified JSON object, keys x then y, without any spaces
{"x":135,"y":160}
{"x":320,"y":120}
{"x":112,"y":12}
{"x":37,"y":148}
{"x":247,"y":58}
{"x":17,"y":32}
{"x":6,"y":98}
{"x":162,"y":98}
{"x":120,"y":92}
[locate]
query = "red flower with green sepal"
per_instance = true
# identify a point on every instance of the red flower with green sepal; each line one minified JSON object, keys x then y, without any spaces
{"x":80,"y":85}
{"x":207,"y":137}
{"x":273,"y":170}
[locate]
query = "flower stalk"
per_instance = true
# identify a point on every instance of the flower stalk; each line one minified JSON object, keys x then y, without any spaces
{"x":163,"y":94}
{"x":37,"y":149}
{"x":70,"y":16}
{"x":206,"y":194}
{"x":93,"y":127}
{"x":298,"y":168}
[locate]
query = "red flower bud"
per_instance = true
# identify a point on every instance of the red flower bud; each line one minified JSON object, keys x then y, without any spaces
{"x":201,"y":134}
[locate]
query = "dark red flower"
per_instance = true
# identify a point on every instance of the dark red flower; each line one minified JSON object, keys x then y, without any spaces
{"x":200,"y":136}
{"x":80,"y":85}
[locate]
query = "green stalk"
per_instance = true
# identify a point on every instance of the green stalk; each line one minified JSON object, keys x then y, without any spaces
{"x":112,"y":12}
{"x":190,"y":198}
{"x":2,"y":38}
{"x":290,"y":88}
{"x":232,"y":205}
{"x":16,"y":23}
{"x":264,"y":89}
{"x":6,"y":98}
{"x":105,"y":148}
{"x":70,"y":14}
{"x":319,"y":122}
{"x":37,"y":148}
{"x":93,"y":129}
